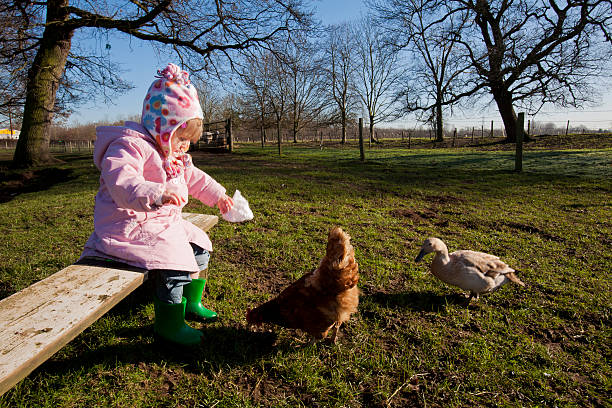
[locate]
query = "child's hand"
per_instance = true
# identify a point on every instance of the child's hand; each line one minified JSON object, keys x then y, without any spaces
{"x":225,"y":204}
{"x":172,"y":195}
{"x":172,"y":198}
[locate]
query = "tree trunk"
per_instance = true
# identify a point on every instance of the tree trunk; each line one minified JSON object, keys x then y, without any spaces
{"x":295,"y":131}
{"x":503,"y":99}
{"x":343,"y":127}
{"x":371,"y":129}
{"x":263,"y":131}
{"x":439,"y":123}
{"x":278,"y":133}
{"x":43,"y":81}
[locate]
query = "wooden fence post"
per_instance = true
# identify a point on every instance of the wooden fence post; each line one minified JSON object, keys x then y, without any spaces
{"x":361,"y":153}
{"x":228,"y":132}
{"x":491,"y":129}
{"x":520,"y":129}
{"x":567,"y":128}
{"x":529,"y":127}
{"x":278,"y":139}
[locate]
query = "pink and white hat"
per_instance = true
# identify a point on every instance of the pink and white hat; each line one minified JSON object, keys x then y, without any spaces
{"x":170,"y":102}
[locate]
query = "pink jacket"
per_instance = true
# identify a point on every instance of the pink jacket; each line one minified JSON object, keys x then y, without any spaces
{"x":128,"y":226}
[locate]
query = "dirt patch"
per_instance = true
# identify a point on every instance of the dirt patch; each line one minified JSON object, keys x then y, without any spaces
{"x":407,"y":395}
{"x":266,"y":280}
{"x":260,"y":278}
{"x":168,"y":378}
{"x":442,"y":224}
{"x":473,"y":225}
{"x":297,"y":212}
{"x":549,"y":335}
{"x":264,"y":387}
{"x":444,"y":199}
{"x":533,"y":230}
{"x":416,"y":216}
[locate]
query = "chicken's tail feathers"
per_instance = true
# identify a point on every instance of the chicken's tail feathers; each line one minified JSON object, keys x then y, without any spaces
{"x":513,"y":278}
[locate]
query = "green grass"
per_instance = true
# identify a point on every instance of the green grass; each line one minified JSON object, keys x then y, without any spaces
{"x":412,"y":342}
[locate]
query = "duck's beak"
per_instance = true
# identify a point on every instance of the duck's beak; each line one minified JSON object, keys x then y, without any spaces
{"x":420,"y":255}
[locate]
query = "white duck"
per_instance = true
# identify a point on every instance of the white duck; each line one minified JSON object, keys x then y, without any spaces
{"x":475,"y":271}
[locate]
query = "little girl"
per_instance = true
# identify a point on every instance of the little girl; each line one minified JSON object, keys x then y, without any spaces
{"x":146,"y":176}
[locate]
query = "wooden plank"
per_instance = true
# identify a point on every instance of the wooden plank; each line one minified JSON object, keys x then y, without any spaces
{"x":39,"y":320}
{"x":203,"y":221}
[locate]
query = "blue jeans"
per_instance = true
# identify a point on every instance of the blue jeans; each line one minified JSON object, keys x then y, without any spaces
{"x":169,"y":284}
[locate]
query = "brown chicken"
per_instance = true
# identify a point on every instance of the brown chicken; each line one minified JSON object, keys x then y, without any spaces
{"x":321,"y":299}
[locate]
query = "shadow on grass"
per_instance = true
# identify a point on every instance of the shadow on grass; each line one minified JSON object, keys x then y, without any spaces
{"x":416,"y":301}
{"x":223,"y":344}
{"x":6,"y":289}
{"x":221,"y":347}
{"x":395,"y":171}
{"x":15,"y":183}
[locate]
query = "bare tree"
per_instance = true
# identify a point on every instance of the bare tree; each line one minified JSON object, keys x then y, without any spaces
{"x":340,"y":71}
{"x":527,"y":52}
{"x":209,"y":101}
{"x":192,"y":29}
{"x":377,"y":76}
{"x":305,"y":84}
{"x":228,"y":108}
{"x":14,"y":20}
{"x":256,"y":79}
{"x":436,"y":72}
{"x":279,"y":95}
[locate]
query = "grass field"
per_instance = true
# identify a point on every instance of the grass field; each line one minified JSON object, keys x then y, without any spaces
{"x":412,"y":342}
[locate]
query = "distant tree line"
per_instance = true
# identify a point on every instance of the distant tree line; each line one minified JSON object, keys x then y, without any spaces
{"x":282,"y":72}
{"x":429,"y":57}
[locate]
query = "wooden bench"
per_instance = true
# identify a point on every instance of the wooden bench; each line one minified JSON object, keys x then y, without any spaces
{"x":39,"y":320}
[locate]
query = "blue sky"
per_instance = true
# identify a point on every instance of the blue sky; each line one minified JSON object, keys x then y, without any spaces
{"x":141,"y":63}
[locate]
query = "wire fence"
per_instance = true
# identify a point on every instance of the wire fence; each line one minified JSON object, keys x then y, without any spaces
{"x":55,"y":146}
{"x":352,"y":134}
{"x":217,"y":137}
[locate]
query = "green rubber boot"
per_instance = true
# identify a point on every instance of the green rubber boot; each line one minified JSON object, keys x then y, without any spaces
{"x":170,"y":323}
{"x":194,"y":309}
